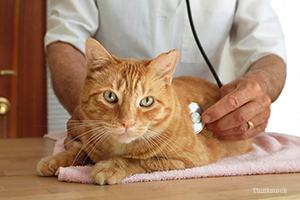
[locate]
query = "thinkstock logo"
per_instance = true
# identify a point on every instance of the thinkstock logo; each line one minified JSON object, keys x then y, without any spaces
{"x":267,"y":190}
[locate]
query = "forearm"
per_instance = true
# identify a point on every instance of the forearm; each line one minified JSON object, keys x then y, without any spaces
{"x":270,"y":73}
{"x":68,"y":70}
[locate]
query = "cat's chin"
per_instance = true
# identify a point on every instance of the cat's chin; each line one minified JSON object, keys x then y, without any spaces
{"x":124,"y":138}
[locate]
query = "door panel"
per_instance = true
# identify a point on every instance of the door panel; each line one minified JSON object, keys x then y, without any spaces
{"x":9,"y":42}
{"x":22,"y":28}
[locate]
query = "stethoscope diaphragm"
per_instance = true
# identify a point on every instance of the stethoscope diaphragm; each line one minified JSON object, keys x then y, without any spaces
{"x":196,"y":112}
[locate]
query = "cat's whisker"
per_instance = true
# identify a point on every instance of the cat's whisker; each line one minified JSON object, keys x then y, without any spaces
{"x":79,"y":136}
{"x":100,"y":139}
{"x":78,"y":154}
{"x":167,"y":140}
{"x":149,"y":142}
{"x":95,"y":136}
{"x":86,"y":122}
{"x":175,"y":141}
{"x":75,"y":128}
{"x":146,"y":140}
{"x":157,"y":146}
{"x":87,"y":143}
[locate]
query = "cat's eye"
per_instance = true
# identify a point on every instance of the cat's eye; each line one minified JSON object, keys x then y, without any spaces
{"x":110,"y":97}
{"x":147,"y":101}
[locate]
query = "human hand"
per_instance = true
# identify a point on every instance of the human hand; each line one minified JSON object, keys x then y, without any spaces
{"x":241,"y":101}
{"x":74,"y":126}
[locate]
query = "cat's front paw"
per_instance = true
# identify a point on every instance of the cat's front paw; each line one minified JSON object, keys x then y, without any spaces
{"x":108,"y":172}
{"x":47,"y":166}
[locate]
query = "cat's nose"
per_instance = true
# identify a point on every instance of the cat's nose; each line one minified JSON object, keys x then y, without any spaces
{"x":127,"y":123}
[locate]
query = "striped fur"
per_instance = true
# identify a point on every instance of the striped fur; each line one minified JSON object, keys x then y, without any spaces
{"x":160,"y":137}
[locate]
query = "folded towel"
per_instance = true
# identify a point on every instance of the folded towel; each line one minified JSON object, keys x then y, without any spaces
{"x":271,"y":153}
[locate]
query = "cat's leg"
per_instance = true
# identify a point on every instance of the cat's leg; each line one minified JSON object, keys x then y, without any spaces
{"x":49,"y":165}
{"x":115,"y":170}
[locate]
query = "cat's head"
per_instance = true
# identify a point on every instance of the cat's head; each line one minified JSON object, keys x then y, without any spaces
{"x":127,"y":99}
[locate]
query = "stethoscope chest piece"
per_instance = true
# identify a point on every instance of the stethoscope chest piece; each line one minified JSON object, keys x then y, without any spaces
{"x":196,"y":112}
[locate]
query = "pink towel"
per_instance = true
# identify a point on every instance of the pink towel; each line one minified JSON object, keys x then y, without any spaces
{"x":271,"y":153}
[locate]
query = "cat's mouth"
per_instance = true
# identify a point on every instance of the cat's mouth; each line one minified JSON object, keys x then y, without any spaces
{"x":125,"y":137}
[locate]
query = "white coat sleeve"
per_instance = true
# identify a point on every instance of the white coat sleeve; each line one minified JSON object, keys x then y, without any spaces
{"x":256,"y":32}
{"x":72,"y":21}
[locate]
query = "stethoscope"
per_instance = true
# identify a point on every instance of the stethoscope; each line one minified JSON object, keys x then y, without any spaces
{"x":195,"y":109}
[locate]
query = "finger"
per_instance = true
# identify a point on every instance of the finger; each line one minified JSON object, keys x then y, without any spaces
{"x":228,"y":88}
{"x":73,"y":125}
{"x":227,"y":104}
{"x":74,"y":129}
{"x":68,"y":142}
{"x":77,"y":115}
{"x":242,"y":115}
{"x":259,"y":119}
{"x":241,"y":95}
{"x":255,"y":131}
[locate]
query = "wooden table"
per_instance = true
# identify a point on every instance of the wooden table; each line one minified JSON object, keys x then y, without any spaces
{"x":18,"y":180}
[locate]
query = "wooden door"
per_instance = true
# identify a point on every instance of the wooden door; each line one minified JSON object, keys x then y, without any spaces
{"x":22,"y":28}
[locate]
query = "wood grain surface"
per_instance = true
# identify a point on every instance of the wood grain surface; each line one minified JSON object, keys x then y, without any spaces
{"x":18,"y":180}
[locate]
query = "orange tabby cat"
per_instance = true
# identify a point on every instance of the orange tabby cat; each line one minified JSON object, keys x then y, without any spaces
{"x":137,"y":119}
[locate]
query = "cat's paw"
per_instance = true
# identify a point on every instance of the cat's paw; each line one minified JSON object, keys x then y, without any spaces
{"x":47,"y":166}
{"x":108,"y":172}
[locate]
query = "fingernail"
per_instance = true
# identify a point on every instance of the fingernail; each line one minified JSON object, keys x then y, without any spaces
{"x":206,"y":118}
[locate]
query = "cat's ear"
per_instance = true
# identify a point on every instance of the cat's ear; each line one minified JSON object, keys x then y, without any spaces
{"x":96,"y":55}
{"x":165,"y":65}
